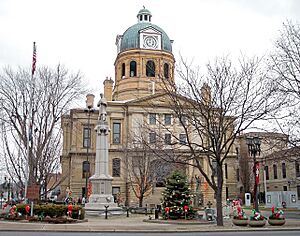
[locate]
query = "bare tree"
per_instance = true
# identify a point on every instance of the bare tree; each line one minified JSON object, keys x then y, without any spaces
{"x":144,"y":168}
{"x":284,"y":63}
{"x":53,"y":92}
{"x":213,"y":109}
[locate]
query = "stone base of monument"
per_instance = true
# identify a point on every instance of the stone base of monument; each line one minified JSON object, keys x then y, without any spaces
{"x":98,"y":204}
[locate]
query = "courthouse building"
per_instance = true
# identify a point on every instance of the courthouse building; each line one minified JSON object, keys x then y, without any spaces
{"x":136,"y":100}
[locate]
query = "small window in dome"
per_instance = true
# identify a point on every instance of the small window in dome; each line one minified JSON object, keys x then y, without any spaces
{"x":146,"y":17}
{"x":123,"y":69}
{"x":141,"y":17}
{"x":150,"y":18}
{"x":166,"y":70}
{"x":150,"y":69}
{"x":132,"y":69}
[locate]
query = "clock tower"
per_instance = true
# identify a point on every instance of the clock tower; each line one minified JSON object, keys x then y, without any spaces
{"x":144,"y":60}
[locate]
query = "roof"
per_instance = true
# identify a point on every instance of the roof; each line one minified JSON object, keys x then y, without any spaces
{"x":130,"y":39}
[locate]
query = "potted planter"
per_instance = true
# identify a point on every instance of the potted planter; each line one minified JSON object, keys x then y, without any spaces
{"x":239,"y":217}
{"x":276,"y":222}
{"x":257,"y":223}
{"x":276,"y":218}
{"x":257,"y":219}
{"x":240,"y":222}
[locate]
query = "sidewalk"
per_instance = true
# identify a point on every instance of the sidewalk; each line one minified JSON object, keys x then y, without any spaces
{"x":136,"y":223}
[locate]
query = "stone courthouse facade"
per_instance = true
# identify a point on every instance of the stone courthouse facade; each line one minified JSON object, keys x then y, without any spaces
{"x":135,"y":100}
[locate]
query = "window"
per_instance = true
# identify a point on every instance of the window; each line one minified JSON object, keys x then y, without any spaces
{"x":283,"y":171}
{"x":238,"y":174}
{"x":152,"y":118}
{"x":115,"y":193}
{"x":145,"y":17}
{"x":150,"y":69}
{"x":166,"y":70}
{"x":275,"y":171}
{"x":116,"y":167}
{"x":123,"y":69}
{"x":297,"y":168}
{"x":298,"y":191}
{"x":141,"y":17}
{"x":227,"y":193}
{"x":226,"y":171}
{"x":160,"y":170}
{"x":152,"y":137}
{"x":86,"y":137}
{"x":86,"y":169}
{"x":168,"y":139}
{"x":267,"y":172}
{"x":183,"y":119}
{"x":116,"y":133}
{"x":182,"y":138}
{"x":284,"y":188}
{"x":132,"y":69}
{"x":168,"y":118}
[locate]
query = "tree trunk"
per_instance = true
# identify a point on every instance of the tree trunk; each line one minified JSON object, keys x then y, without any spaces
{"x":219,"y":196}
{"x":141,"y":198}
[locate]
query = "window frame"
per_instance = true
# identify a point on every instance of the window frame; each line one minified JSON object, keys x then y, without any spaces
{"x":116,"y":167}
{"x":267,"y":172}
{"x":152,"y":137}
{"x":150,"y":68}
{"x":168,"y":138}
{"x":181,"y":141}
{"x":116,"y":136}
{"x":86,"y":137}
{"x":275,"y":172}
{"x":132,"y":68}
{"x":123,"y":71}
{"x":166,"y":71}
{"x":297,"y":168}
{"x":283,"y":169}
{"x":152,"y":118}
{"x":169,"y":120}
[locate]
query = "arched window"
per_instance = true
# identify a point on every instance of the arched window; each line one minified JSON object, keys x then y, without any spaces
{"x":166,"y":70}
{"x":123,"y":69}
{"x":275,"y":171}
{"x":159,"y":170}
{"x":132,"y":69}
{"x":150,"y":69}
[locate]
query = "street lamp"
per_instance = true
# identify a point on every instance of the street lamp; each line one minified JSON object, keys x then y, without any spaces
{"x":86,"y":164}
{"x":254,"y":149}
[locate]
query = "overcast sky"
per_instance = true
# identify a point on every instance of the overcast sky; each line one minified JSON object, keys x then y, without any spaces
{"x":81,"y":33}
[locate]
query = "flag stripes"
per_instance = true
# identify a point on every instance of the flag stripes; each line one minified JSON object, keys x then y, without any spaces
{"x":34,"y":59}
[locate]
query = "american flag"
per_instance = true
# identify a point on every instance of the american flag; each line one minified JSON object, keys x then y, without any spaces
{"x":33,"y":59}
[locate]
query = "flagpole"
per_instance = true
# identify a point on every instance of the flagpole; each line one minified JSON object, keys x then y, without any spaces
{"x":29,"y":129}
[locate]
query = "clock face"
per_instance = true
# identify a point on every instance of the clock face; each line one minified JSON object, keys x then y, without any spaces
{"x":150,"y":42}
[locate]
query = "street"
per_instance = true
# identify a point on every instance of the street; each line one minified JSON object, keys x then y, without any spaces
{"x":256,"y":233}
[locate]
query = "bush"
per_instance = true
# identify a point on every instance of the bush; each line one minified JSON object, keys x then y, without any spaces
{"x":52,"y":210}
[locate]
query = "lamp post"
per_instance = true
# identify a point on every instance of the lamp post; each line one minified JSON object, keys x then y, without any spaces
{"x":254,"y":149}
{"x":86,"y":164}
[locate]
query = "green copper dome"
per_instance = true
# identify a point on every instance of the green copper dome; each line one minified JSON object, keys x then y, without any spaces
{"x":130,"y":38}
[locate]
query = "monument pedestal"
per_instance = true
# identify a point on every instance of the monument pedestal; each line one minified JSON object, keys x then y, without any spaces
{"x":101,"y":198}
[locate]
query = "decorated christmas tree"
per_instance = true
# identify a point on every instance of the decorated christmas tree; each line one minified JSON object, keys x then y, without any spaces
{"x":177,"y":198}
